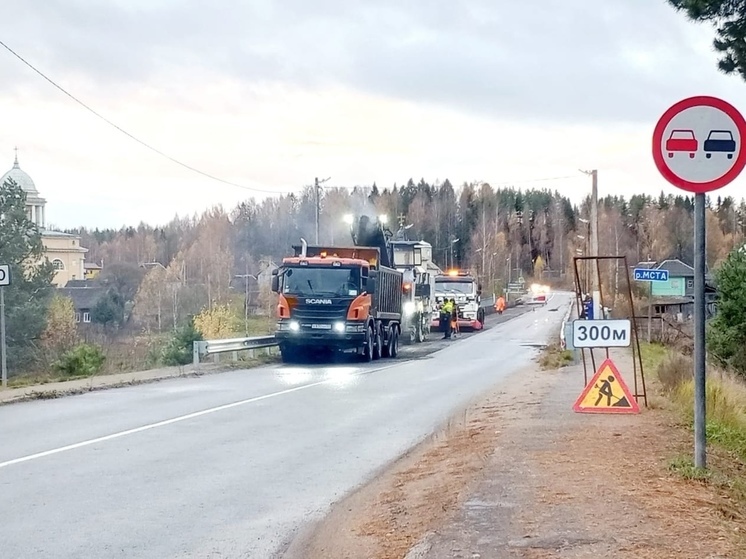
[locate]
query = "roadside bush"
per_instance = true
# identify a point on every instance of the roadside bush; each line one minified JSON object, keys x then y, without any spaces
{"x":674,"y":370}
{"x":218,"y":322}
{"x":178,"y":349}
{"x":82,"y":360}
{"x":727,"y":331}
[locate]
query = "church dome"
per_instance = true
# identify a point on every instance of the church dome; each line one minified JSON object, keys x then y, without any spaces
{"x":21,"y":178}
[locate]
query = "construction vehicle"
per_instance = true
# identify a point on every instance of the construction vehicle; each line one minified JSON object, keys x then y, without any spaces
{"x":463,"y":287}
{"x":414,"y":260}
{"x":338,"y":299}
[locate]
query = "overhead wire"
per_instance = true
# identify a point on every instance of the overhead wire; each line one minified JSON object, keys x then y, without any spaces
{"x":195,"y":169}
{"x":133,"y":137}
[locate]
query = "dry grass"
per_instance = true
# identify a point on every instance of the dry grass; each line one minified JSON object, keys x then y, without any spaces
{"x":553,"y":357}
{"x":726,"y":423}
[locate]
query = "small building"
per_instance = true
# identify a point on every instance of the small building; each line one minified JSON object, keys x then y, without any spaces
{"x":63,"y":250}
{"x":91,"y":270}
{"x":84,"y":296}
{"x":676,"y":296}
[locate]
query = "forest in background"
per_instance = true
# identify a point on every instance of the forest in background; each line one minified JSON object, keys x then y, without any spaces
{"x":201,"y":275}
{"x":498,"y":233}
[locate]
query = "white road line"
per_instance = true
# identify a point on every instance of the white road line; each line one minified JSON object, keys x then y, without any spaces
{"x":178,"y":419}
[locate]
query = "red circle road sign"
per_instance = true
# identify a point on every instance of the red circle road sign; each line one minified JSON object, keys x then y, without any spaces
{"x":697,"y":144}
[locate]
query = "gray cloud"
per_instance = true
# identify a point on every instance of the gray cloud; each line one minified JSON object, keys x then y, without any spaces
{"x":544,"y":59}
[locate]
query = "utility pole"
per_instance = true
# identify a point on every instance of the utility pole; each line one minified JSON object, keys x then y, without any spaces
{"x":317,"y":195}
{"x":246,"y":277}
{"x":595,"y":288}
{"x":3,"y":346}
{"x":4,"y":282}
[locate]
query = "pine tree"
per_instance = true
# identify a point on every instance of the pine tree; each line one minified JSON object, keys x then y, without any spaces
{"x":27,"y":299}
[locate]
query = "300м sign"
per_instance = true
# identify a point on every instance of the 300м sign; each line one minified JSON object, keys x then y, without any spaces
{"x":601,"y":333}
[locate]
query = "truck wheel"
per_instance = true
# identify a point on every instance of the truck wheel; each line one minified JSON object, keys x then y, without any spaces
{"x":368,"y":346}
{"x":289,"y":354}
{"x":394,"y":348}
{"x":386,"y":349}
{"x":378,"y":344}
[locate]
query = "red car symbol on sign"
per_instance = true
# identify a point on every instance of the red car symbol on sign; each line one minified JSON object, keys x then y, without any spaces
{"x":682,"y":140}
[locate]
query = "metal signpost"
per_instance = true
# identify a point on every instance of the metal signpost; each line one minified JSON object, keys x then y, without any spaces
{"x":4,"y":282}
{"x":651,"y":276}
{"x":697,"y":147}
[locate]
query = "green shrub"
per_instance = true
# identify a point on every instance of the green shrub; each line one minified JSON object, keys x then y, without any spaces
{"x":83,"y":360}
{"x":178,"y":349}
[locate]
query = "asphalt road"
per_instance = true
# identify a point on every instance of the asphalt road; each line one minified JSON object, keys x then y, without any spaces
{"x":232,"y":465}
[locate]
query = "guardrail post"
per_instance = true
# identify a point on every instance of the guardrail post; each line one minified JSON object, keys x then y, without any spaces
{"x":235,"y":356}
{"x":195,"y":353}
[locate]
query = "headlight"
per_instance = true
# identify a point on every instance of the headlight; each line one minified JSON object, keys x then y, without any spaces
{"x":294,"y":326}
{"x":339,"y":327}
{"x":409,"y":307}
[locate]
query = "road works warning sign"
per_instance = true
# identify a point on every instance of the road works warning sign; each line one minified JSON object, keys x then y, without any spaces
{"x":606,"y":393}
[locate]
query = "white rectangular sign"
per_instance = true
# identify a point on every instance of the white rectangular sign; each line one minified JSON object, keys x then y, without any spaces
{"x":601,"y":333}
{"x":4,"y":275}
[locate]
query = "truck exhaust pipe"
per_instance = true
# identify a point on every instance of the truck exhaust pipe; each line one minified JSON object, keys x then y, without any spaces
{"x":304,"y":247}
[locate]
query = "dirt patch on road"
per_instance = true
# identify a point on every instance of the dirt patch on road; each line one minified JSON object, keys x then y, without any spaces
{"x":520,"y":475}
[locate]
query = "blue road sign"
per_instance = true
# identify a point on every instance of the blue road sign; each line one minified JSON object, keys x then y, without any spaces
{"x":643,"y":274}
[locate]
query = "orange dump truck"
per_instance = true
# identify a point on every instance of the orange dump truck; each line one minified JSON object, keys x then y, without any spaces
{"x":337,"y":299}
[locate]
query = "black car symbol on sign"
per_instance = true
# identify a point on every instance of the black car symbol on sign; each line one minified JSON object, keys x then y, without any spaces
{"x":720,"y":141}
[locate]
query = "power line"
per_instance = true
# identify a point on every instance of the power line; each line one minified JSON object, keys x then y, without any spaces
{"x":123,"y":131}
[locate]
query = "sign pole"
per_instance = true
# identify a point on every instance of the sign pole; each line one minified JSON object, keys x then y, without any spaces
{"x":698,"y":147}
{"x":700,"y":438}
{"x":650,"y":307}
{"x":3,"y":346}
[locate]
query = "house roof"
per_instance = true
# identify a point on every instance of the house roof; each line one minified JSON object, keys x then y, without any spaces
{"x":676,"y":268}
{"x":91,"y":266}
{"x":83,"y":297}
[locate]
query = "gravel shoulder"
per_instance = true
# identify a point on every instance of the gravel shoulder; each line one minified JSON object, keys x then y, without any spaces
{"x":518,"y":474}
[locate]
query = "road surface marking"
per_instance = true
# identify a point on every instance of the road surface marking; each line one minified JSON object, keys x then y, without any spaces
{"x":179,"y":419}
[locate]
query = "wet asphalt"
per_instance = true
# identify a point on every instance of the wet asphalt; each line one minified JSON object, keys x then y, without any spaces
{"x":234,"y":464}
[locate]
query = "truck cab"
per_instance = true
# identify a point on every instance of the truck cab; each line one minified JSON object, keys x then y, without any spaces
{"x":464,"y":288}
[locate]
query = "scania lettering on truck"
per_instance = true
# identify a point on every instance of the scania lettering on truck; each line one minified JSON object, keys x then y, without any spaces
{"x":337,"y":299}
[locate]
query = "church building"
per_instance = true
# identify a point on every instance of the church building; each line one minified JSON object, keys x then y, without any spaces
{"x":61,"y":249}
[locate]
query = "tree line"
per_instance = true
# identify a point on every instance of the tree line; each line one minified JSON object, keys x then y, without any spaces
{"x":157,"y":278}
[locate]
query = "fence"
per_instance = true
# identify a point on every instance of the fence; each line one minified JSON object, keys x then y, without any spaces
{"x":232,"y":345}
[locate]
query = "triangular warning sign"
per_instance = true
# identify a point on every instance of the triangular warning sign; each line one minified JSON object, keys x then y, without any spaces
{"x":606,"y":393}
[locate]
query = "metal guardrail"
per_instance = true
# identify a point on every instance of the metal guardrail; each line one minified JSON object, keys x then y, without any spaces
{"x":215,"y":347}
{"x":563,"y":328}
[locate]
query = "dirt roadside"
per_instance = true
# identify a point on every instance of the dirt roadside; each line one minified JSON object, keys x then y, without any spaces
{"x":520,"y":475}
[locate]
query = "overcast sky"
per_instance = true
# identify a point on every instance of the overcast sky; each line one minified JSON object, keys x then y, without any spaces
{"x":271,"y":93}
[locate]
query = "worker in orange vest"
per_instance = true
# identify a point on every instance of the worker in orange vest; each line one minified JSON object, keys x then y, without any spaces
{"x":500,"y":304}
